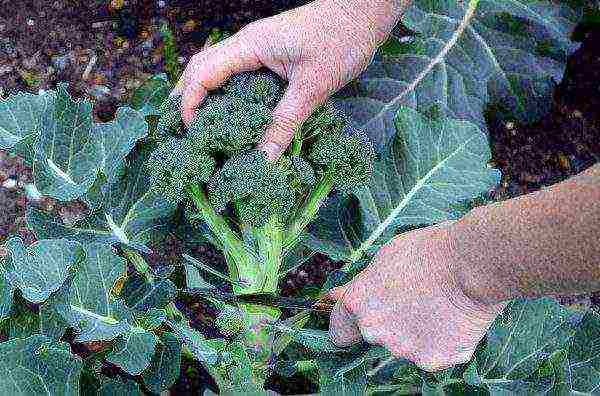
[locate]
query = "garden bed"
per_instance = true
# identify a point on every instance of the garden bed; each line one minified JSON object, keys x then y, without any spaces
{"x":106,"y":52}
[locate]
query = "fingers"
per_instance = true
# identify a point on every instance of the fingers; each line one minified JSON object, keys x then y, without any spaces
{"x":209,"y":69}
{"x":303,"y":95}
{"x":343,"y":328}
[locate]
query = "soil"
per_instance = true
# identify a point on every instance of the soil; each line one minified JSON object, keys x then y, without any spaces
{"x":104,"y":49}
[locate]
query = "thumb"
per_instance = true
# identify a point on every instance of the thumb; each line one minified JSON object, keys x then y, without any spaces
{"x":343,"y":327}
{"x":209,"y":69}
{"x":302,"y":96}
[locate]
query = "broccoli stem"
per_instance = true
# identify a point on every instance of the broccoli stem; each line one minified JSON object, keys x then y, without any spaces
{"x":309,"y":211}
{"x":241,"y":262}
{"x":270,"y":246}
{"x":297,"y":144}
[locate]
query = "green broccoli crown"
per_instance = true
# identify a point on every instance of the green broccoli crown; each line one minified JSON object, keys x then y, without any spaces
{"x":177,"y":163}
{"x":259,"y":188}
{"x":169,"y":121}
{"x":228,"y":125}
{"x":346,"y":156}
{"x":337,"y":149}
{"x":258,"y":87}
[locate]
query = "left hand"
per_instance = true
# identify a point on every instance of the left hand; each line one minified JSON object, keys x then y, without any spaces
{"x":409,"y":301}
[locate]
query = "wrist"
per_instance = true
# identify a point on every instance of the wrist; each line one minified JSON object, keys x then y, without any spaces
{"x":377,"y":17}
{"x":468,"y":292}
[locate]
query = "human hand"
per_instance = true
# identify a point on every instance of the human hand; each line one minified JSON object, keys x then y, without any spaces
{"x":409,"y":301}
{"x":318,"y":48}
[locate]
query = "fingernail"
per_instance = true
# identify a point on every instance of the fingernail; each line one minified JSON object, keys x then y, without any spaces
{"x":271,"y":149}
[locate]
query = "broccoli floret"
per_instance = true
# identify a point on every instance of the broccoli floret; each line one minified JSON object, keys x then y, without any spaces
{"x":230,"y":322}
{"x":169,"y":121}
{"x":326,"y":119}
{"x":346,"y":156}
{"x":229,"y":125}
{"x":303,"y":172}
{"x":260,"y":87}
{"x":177,"y":163}
{"x":259,"y":189}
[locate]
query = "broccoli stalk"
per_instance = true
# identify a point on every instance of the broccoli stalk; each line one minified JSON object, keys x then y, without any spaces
{"x":256,"y":210}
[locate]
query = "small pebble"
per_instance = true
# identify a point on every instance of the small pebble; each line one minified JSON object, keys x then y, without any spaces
{"x":10,"y":184}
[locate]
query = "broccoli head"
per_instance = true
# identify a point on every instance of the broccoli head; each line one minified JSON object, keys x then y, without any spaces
{"x":346,"y":156}
{"x":229,"y":125}
{"x":169,"y":121}
{"x":259,"y":189}
{"x":177,"y":163}
{"x":258,"y":87}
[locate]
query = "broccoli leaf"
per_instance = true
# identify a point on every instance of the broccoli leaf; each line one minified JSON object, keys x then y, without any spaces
{"x":148,"y":98}
{"x":21,"y":117}
{"x":465,"y":56}
{"x":133,"y":352}
{"x":142,"y":296}
{"x":85,"y":302}
{"x":43,"y":267}
{"x":584,"y":356}
{"x":114,"y":386}
{"x":38,"y":366}
{"x":118,"y":138}
{"x":195,"y":341}
{"x":431,"y":165}
{"x":125,"y":211}
{"x":70,"y":149}
{"x":6,"y":294}
{"x":165,"y":365}
{"x":92,"y":286}
{"x":68,"y":154}
{"x":351,"y":382}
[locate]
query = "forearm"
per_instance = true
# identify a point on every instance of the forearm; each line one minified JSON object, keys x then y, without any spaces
{"x":542,"y":243}
{"x":379,"y":16}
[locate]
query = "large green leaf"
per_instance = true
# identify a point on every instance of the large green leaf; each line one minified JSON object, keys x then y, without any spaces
{"x":6,"y":294}
{"x":151,"y":94}
{"x":133,"y":351}
{"x":68,"y":155}
{"x":92,"y":286}
{"x":583,"y":369}
{"x":165,"y":365}
{"x":195,"y":341}
{"x":515,"y":356}
{"x":71,"y":149}
{"x":432,"y":165}
{"x":20,"y":117}
{"x":117,"y":386}
{"x":142,"y":295}
{"x":465,"y":56}
{"x":125,"y":211}
{"x":38,"y":366}
{"x":85,"y":302}
{"x":118,"y":138}
{"x":43,"y":267}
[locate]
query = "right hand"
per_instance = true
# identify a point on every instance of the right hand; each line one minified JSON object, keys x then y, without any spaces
{"x":318,"y":48}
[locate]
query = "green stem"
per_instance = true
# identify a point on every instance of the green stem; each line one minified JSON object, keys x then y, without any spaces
{"x":243,"y":265}
{"x":297,"y":144}
{"x":309,"y":211}
{"x":139,"y":264}
{"x":270,"y":247}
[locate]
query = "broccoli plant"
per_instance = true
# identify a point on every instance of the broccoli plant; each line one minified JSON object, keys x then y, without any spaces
{"x":91,"y":307}
{"x":267,"y":205}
